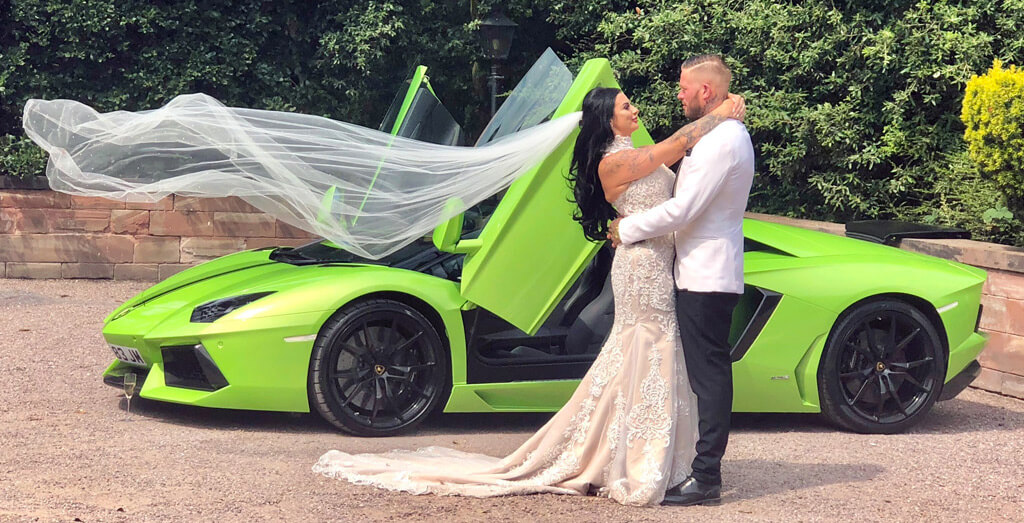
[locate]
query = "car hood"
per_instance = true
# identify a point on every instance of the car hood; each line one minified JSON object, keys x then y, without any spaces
{"x":224,"y":265}
{"x":280,"y":271}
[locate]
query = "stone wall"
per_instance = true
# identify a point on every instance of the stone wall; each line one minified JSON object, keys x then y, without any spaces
{"x":46,"y":234}
{"x":1002,"y":297}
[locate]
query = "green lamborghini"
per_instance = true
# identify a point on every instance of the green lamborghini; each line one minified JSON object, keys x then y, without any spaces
{"x":505,"y":307}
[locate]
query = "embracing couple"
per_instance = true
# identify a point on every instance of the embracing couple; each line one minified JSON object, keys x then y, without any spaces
{"x":649,"y":422}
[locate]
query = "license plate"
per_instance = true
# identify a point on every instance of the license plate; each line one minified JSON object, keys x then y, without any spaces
{"x":128,"y":355}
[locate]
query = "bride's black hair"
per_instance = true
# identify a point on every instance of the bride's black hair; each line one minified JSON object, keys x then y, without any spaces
{"x":593,"y":211}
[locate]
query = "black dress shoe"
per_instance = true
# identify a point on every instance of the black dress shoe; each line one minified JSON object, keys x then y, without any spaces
{"x":693,"y":492}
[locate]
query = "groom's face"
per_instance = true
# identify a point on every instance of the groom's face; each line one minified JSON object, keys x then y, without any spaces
{"x":692,"y":94}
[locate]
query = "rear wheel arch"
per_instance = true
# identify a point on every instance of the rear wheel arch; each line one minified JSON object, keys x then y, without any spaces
{"x":922,"y":305}
{"x":928,"y":319}
{"x":421,"y":306}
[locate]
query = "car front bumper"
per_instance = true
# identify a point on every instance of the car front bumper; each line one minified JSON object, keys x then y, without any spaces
{"x":253,"y":366}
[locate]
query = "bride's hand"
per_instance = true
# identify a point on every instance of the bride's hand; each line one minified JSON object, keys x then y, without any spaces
{"x":739,"y":110}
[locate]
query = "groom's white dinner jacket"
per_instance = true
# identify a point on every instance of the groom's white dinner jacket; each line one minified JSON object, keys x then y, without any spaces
{"x":706,"y":212}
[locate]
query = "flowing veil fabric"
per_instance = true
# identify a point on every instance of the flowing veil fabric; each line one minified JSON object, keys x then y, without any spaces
{"x":367,"y":191}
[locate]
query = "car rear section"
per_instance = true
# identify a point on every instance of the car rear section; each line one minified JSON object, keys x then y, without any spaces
{"x":885,"y":332}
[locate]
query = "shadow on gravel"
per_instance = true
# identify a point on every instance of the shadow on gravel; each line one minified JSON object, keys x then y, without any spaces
{"x":755,"y":478}
{"x":775,"y":423}
{"x":435,"y":425}
{"x":949,"y":417}
{"x":290,"y":422}
{"x":22,"y":298}
{"x":962,"y":415}
{"x":201,"y":417}
{"x":494,"y":422}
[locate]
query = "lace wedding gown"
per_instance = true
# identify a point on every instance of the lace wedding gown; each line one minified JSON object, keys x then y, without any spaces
{"x":629,"y":430}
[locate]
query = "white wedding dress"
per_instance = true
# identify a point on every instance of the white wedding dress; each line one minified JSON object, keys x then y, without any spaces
{"x":629,"y":430}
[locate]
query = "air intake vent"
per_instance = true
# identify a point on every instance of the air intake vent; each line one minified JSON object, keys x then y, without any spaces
{"x":191,"y":367}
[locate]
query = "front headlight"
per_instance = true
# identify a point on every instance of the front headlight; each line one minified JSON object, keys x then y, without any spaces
{"x":212,"y":311}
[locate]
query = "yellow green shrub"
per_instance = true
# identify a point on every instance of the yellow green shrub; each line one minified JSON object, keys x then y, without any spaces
{"x":993,"y":112}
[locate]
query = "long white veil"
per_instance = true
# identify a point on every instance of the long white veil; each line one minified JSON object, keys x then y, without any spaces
{"x":367,"y":191}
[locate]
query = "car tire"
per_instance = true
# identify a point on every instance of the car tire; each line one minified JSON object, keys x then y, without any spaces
{"x":882,"y":369}
{"x":378,"y":368}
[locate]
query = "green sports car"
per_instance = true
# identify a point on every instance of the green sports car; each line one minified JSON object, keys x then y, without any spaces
{"x":504,"y":308}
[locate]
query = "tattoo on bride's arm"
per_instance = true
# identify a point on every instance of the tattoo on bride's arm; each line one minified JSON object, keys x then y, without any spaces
{"x":630,"y":160}
{"x":641,"y":156}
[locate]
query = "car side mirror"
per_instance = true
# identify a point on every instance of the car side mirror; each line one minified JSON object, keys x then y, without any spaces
{"x":447,"y":237}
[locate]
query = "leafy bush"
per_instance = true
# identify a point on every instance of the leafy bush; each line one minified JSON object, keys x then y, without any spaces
{"x":20,"y":157}
{"x":966,"y":198}
{"x":993,"y":112}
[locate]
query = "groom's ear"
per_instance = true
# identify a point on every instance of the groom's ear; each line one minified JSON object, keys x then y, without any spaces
{"x":706,"y":92}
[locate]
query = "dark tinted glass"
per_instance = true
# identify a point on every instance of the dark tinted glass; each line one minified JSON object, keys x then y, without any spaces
{"x":428,"y":121}
{"x":396,"y":105}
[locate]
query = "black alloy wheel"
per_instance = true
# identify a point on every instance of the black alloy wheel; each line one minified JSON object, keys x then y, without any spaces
{"x":378,"y":368}
{"x":883,"y":368}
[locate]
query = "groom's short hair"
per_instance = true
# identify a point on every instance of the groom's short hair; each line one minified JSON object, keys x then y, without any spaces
{"x":711,"y":64}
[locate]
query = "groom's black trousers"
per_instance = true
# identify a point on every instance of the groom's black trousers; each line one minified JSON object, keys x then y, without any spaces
{"x":704,"y":321}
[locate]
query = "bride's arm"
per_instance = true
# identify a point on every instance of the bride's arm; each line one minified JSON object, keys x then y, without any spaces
{"x":632,"y":164}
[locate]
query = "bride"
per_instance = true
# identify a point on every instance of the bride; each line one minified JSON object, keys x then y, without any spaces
{"x":629,"y":430}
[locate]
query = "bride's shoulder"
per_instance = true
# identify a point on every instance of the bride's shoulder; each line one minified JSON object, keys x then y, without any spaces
{"x":618,"y":144}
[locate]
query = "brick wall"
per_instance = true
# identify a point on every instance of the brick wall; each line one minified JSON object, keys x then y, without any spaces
{"x":46,"y":234}
{"x":1002,"y":319}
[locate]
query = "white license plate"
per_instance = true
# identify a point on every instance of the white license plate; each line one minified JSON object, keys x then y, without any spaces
{"x":127,"y":355}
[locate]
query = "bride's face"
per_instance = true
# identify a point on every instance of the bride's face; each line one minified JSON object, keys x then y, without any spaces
{"x":625,"y":119}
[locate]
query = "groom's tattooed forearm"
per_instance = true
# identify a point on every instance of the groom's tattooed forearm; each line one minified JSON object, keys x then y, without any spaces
{"x":688,"y":134}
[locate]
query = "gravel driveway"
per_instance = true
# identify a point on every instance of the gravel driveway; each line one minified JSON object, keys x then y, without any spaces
{"x":70,"y":451}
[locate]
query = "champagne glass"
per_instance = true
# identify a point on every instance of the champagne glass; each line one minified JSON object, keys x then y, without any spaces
{"x":130,"y":381}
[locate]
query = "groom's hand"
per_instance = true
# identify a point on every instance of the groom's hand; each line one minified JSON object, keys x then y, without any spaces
{"x":613,"y":232}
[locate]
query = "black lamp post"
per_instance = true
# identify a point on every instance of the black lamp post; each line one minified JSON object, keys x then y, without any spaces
{"x":496,"y":37}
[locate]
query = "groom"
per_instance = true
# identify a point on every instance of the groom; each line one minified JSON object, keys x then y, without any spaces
{"x":706,"y":215}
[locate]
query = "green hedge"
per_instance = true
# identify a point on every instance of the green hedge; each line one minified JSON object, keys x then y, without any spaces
{"x":340,"y":59}
{"x":853,"y":106}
